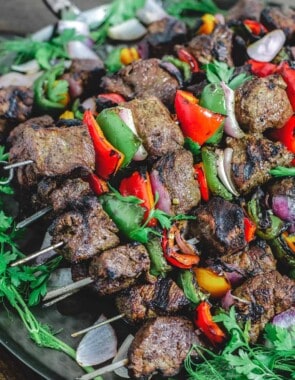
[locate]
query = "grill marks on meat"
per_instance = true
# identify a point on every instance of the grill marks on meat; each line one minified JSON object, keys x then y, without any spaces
{"x":141,"y":302}
{"x":142,"y":79}
{"x":60,"y":194}
{"x":84,"y":77}
{"x":262,"y":103}
{"x":160,"y":346}
{"x":253,"y":158}
{"x":86,"y":230}
{"x":218,"y":45}
{"x":220,"y":226}
{"x":55,"y":152}
{"x":159,"y":133}
{"x":175,"y":171}
{"x":16,"y":103}
{"x":262,"y":297}
{"x":275,"y":18}
{"x":118,"y":268}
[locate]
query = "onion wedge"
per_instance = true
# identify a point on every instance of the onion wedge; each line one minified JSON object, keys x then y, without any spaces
{"x":222,"y":173}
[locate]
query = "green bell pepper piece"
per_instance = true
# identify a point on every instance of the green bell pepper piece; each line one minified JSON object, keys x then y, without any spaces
{"x":213,"y":99}
{"x":186,"y":280}
{"x":118,"y":133}
{"x":159,"y":266}
{"x":183,"y":66}
{"x":283,"y":254}
{"x":192,"y":146}
{"x":210,"y":168}
{"x":127,"y":216}
{"x":216,"y":138}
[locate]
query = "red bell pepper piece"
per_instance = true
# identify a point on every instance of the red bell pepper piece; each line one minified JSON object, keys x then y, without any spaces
{"x":249,"y":229}
{"x":288,"y":74}
{"x":185,"y":56}
{"x":204,"y":189}
{"x":139,"y":185}
{"x":255,"y":27}
{"x":113,"y":97}
{"x":205,"y":323}
{"x":108,"y":158}
{"x":98,"y":185}
{"x":286,"y":134}
{"x":262,"y":69}
{"x":197,"y":123}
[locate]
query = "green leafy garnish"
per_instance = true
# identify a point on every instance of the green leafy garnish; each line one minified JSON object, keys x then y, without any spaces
{"x":240,"y":361}
{"x":217,"y":72}
{"x":113,"y":62}
{"x":26,"y":49}
{"x":281,"y":171}
{"x":180,"y":8}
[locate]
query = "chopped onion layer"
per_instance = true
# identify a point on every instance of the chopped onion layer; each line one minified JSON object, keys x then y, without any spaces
{"x":265,"y":49}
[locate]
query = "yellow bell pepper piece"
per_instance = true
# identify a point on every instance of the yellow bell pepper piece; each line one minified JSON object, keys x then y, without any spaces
{"x":211,"y":282}
{"x":208,"y":25}
{"x":128,"y":55}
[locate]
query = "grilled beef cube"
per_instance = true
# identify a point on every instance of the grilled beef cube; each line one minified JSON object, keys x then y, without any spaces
{"x":80,"y":270}
{"x":262,"y":103}
{"x":142,"y":79}
{"x":218,"y":45}
{"x":262,"y":297}
{"x":275,"y":18}
{"x":253,"y":158}
{"x":245,"y":9}
{"x":84,"y":77}
{"x":55,"y":152}
{"x":85,"y":231}
{"x":16,"y":103}
{"x":118,"y":268}
{"x":247,"y":263}
{"x":219,"y":225}
{"x":160,"y":346}
{"x":176,"y":174}
{"x":159,"y":133}
{"x":44,"y":121}
{"x":141,"y":302}
{"x":60,"y":194}
{"x":163,"y":35}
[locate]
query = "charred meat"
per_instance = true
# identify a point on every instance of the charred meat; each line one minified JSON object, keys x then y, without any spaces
{"x":142,"y":79}
{"x":176,"y":174}
{"x":84,"y":77}
{"x":159,"y":133}
{"x":54,"y":151}
{"x":275,"y":18}
{"x":59,"y":194}
{"x":218,"y":45}
{"x":160,"y":346}
{"x":16,"y":103}
{"x":85,"y":231}
{"x":262,"y":103}
{"x":245,"y":9}
{"x":118,"y":268}
{"x":141,"y":302}
{"x":253,"y":158}
{"x":220,"y":226}
{"x":262,"y":297}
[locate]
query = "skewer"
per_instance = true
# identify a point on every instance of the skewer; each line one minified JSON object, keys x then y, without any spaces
{"x":33,"y":217}
{"x":96,"y":326}
{"x":104,"y":370}
{"x":58,"y":299}
{"x":69,"y":288}
{"x":11,"y":168}
{"x":36,"y":254}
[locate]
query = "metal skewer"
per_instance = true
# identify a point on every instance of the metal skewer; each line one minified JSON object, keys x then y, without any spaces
{"x":96,"y":326}
{"x":11,"y":168}
{"x":33,"y":217}
{"x":103,"y":370}
{"x":36,"y":254}
{"x":58,"y":299}
{"x":75,"y":286}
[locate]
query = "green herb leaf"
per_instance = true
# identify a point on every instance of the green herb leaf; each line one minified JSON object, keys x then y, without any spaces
{"x":180,"y":8}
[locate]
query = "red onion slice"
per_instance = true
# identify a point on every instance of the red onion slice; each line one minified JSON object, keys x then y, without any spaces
{"x":164,"y":202}
{"x":265,"y":49}
{"x":285,"y":319}
{"x":231,"y":126}
{"x":222,"y":173}
{"x":284,"y":207}
{"x":228,"y":154}
{"x":89,"y":104}
{"x":126,"y":115}
{"x":127,"y":31}
{"x":227,"y":300}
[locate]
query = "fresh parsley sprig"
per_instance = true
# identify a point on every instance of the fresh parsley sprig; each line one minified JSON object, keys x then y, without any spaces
{"x":179,"y":9}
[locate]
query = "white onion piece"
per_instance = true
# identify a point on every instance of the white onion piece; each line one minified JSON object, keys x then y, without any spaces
{"x":126,"y":115}
{"x":59,"y":278}
{"x":122,"y":354}
{"x":18,"y":79}
{"x":29,"y":67}
{"x":98,"y":345}
{"x":231,"y":126}
{"x":265,"y":49}
{"x":228,"y":154}
{"x":151,"y":12}
{"x":78,"y":50}
{"x":221,"y":171}
{"x":89,"y":104}
{"x":80,"y":27}
{"x":127,"y":31}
